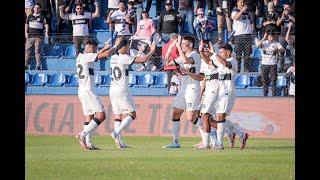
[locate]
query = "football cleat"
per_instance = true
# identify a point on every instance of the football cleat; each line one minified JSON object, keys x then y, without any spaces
{"x":92,"y":147}
{"x":81,"y":140}
{"x":115,"y":137}
{"x":244,"y":141}
{"x":202,"y":147}
{"x":232,"y":139}
{"x":196,"y":145}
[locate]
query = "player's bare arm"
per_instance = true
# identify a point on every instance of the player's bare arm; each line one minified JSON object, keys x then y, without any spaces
{"x":142,"y":59}
{"x":259,"y":43}
{"x":223,"y":61}
{"x":104,"y":53}
{"x":204,"y":57}
{"x":198,"y":77}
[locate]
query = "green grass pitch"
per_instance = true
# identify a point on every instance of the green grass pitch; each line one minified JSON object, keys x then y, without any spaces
{"x":61,"y":157}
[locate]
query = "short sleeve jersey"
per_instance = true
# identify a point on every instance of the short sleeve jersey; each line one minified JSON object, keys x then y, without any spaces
{"x":85,"y":70}
{"x":195,"y":68}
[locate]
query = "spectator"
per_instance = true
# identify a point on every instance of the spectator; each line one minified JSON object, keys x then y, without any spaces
{"x":145,"y":28}
{"x":174,"y":84}
{"x":168,"y":22}
{"x":174,"y":54}
{"x":223,"y":10}
{"x":121,"y":19}
{"x":242,"y":25}
{"x":132,"y":14}
{"x":28,"y":5}
{"x":253,"y":8}
{"x":160,"y":6}
{"x":138,"y":5}
{"x":150,"y":65}
{"x":291,"y":74}
{"x":284,"y":20}
{"x":278,"y":7}
{"x":88,"y":5}
{"x":60,"y":22}
{"x":80,"y":23}
{"x":34,"y":30}
{"x":270,"y":19}
{"x":113,"y":5}
{"x":270,"y":49}
{"x":46,"y":9}
{"x":290,"y":49}
{"x":186,"y":13}
{"x":201,"y":25}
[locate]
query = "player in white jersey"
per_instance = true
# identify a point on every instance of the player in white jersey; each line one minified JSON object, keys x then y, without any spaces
{"x":227,"y":69}
{"x":120,"y":96}
{"x":188,"y":96}
{"x":91,"y":105}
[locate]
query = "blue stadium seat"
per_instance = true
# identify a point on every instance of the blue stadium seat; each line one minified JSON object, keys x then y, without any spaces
{"x":39,"y":79}
{"x":98,"y":79}
{"x":242,"y":81}
{"x":72,"y":81}
{"x":144,"y":80}
{"x":281,"y":81}
{"x":57,"y":79}
{"x":57,"y":50}
{"x":257,"y":53}
{"x":132,"y":80}
{"x":253,"y":80}
{"x":70,"y":51}
{"x":161,"y":81}
{"x":106,"y":80}
{"x":26,"y":78}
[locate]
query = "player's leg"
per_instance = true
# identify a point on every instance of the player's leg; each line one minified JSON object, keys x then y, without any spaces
{"x":213,"y":132}
{"x":117,"y":123}
{"x":179,"y":105}
{"x":124,"y":101}
{"x":176,"y":114}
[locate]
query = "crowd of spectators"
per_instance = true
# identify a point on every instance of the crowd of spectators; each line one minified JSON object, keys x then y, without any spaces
{"x":245,"y":21}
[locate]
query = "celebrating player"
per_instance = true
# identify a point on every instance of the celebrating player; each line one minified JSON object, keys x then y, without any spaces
{"x":120,"y":96}
{"x":91,"y":105}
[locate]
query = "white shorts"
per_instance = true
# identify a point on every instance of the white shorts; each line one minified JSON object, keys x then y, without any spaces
{"x":210,"y":98}
{"x":225,"y":102}
{"x":187,"y":98}
{"x":122,"y":102}
{"x":90,"y":103}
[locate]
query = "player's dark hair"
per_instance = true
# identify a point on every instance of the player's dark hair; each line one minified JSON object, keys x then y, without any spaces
{"x":78,"y":4}
{"x":190,"y":39}
{"x":122,"y":1}
{"x":37,"y":4}
{"x":91,"y":42}
{"x":226,"y":46}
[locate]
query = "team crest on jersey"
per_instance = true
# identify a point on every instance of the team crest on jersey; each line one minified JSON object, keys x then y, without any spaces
{"x":189,"y":104}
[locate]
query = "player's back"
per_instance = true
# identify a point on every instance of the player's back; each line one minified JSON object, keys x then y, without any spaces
{"x":85,"y":70}
{"x":120,"y":72}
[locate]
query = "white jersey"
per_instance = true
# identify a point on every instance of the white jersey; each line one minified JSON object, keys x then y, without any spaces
{"x":121,"y":26}
{"x":120,"y":72}
{"x":243,"y":24}
{"x":226,"y":75}
{"x":80,"y":23}
{"x":85,"y":71}
{"x":195,"y":68}
{"x":269,"y":57}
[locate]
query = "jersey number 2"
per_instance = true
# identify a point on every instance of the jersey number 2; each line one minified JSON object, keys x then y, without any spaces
{"x":80,"y":71}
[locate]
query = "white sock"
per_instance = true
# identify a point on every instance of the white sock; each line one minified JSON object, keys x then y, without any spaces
{"x":235,"y":129}
{"x":220,"y":132}
{"x":205,"y":139}
{"x":125,"y":123}
{"x":90,"y":127}
{"x":228,"y":128}
{"x":116,"y":125}
{"x":175,"y":131}
{"x":213,"y":136}
{"x":88,"y":136}
{"x":201,"y":133}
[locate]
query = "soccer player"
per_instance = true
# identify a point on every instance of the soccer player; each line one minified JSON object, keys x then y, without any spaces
{"x":188,"y":96}
{"x":120,"y":96}
{"x":227,"y":69}
{"x":91,"y":105}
